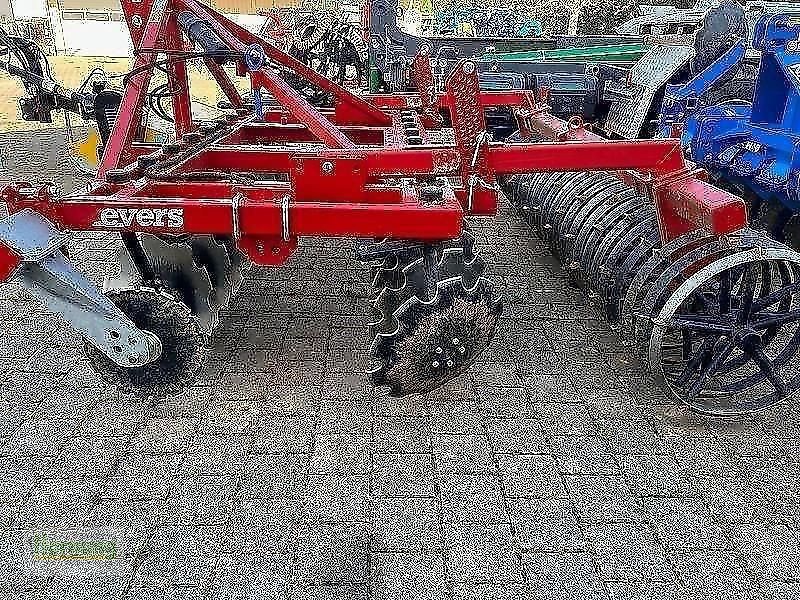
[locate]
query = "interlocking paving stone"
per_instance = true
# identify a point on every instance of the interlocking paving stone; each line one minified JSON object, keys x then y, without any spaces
{"x":713,"y":573}
{"x":530,"y":476}
{"x":683,"y":523}
{"x":583,"y":455}
{"x":178,"y":555}
{"x":139,"y":476}
{"x":406,"y":576}
{"x":546,"y":525}
{"x":462,"y":453}
{"x":340,"y":453}
{"x":405,"y":524}
{"x":282,"y":433}
{"x":274,"y":476}
{"x":628,"y":552}
{"x":331,"y":592}
{"x":648,"y":590}
{"x":401,"y":434}
{"x":565,"y":419}
{"x":57,"y":503}
{"x":338,"y":497}
{"x":456,"y":418}
{"x":602,"y":498}
{"x":471,"y":498}
{"x":164,"y":435}
{"x":345,"y":417}
{"x":333,"y":553}
{"x":482,"y":552}
{"x":402,"y":475}
{"x":554,"y":469}
{"x":516,"y":436}
{"x":40,"y":437}
{"x":771,"y":550}
{"x":251,"y":577}
{"x":574,"y":573}
{"x":655,"y":475}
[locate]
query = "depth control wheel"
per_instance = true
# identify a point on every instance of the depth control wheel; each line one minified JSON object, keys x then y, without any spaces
{"x":436,"y":341}
{"x":434,"y":313}
{"x":182,"y":341}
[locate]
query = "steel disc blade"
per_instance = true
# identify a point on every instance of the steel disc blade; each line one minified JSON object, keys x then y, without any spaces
{"x":174,"y":265}
{"x":213,"y":256}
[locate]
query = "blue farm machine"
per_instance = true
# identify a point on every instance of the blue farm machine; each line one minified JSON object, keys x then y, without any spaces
{"x":753,"y":147}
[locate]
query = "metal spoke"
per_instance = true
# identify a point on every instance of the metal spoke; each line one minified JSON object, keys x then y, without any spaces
{"x":701,"y":297}
{"x":703,"y":324}
{"x":694,"y":363}
{"x":748,"y":292}
{"x":725,"y":291}
{"x":776,"y":296}
{"x":686,"y":346}
{"x":776,"y":320}
{"x":709,"y":371}
{"x":756,"y":352}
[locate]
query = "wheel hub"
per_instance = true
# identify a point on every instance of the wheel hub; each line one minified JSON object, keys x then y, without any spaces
{"x":168,"y":323}
{"x":429,"y":331}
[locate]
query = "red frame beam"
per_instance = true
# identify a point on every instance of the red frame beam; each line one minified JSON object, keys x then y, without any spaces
{"x":684,"y":201}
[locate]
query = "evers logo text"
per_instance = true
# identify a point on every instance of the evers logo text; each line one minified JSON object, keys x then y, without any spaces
{"x":170,"y":218}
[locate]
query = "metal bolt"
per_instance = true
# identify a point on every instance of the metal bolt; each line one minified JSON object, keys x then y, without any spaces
{"x":462,"y":350}
{"x":327,"y":167}
{"x":455,"y":341}
{"x":469,"y":67}
{"x":436,"y":364}
{"x":449,"y":363}
{"x":439,"y":350}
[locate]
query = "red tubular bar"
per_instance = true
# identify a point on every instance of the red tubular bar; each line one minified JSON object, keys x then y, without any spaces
{"x":225,"y":83}
{"x":117,"y":150}
{"x":658,"y":156}
{"x":238,"y":38}
{"x":9,"y":262}
{"x":683,"y":200}
{"x":259,"y":214}
{"x":181,"y":103}
{"x":321,"y":127}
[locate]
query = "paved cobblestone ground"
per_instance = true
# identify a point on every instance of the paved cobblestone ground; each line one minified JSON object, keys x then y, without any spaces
{"x":554,"y":470}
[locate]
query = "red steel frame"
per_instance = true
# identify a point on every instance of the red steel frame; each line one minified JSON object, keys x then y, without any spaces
{"x":358,"y":178}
